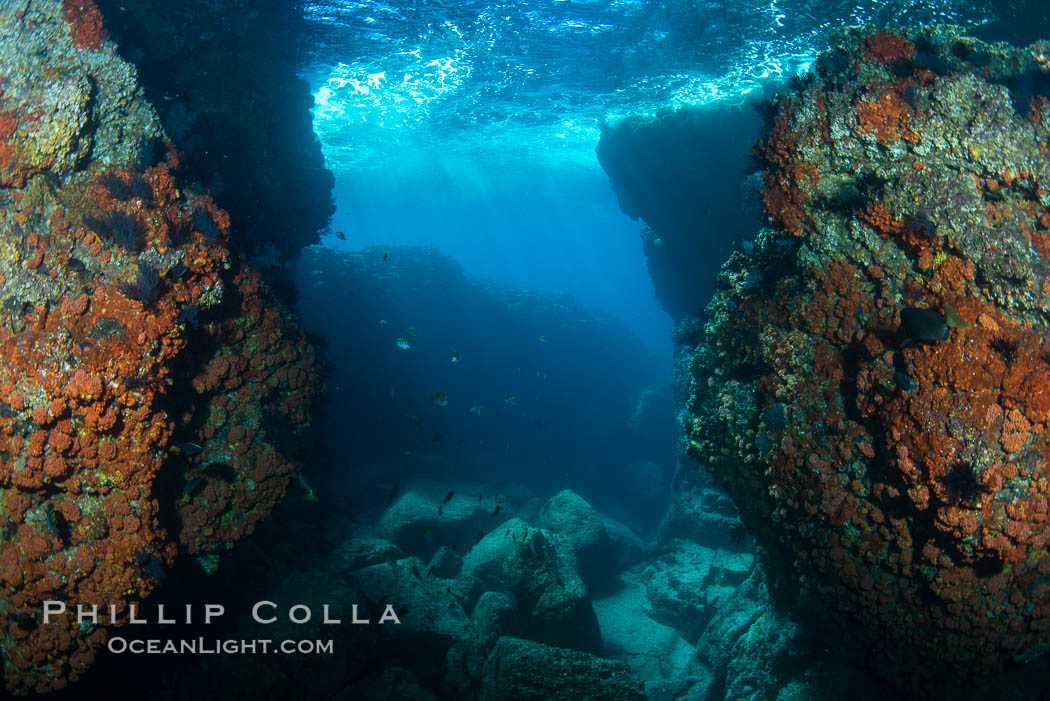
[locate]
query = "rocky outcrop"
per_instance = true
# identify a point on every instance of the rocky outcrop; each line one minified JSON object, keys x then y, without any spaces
{"x":152,"y":390}
{"x":872,"y":389}
{"x":679,"y":171}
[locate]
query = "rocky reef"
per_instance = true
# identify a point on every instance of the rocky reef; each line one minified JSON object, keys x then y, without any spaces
{"x":873,"y":385}
{"x":150,"y":388}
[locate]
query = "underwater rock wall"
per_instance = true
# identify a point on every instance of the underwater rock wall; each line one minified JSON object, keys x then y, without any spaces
{"x":680,"y":173}
{"x":222,"y":76}
{"x":874,"y":387}
{"x":150,"y":388}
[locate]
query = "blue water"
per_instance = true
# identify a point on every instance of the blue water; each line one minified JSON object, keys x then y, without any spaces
{"x":471,"y":126}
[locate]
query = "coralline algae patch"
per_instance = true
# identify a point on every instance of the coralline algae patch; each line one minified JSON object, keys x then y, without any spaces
{"x":122,"y":320}
{"x":252,"y":398}
{"x":905,"y":479}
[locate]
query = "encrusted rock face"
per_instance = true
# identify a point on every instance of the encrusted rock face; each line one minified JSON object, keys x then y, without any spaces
{"x":905,"y":479}
{"x":126,"y":328}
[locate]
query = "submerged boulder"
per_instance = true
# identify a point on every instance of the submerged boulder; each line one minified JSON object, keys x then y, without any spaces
{"x":485,"y":560}
{"x":540,"y":571}
{"x":420,"y":522}
{"x":522,"y":669}
{"x":569,"y":514}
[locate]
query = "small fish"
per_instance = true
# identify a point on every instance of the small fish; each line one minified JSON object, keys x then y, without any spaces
{"x":350,"y":292}
{"x":431,"y":570}
{"x":440,"y":398}
{"x":441,"y":510}
{"x":413,"y":330}
{"x":340,"y":235}
{"x":415,"y":571}
{"x":383,"y":322}
{"x":477,"y":409}
{"x":952,"y":318}
{"x":385,"y":255}
{"x":428,"y":535}
{"x":414,"y":419}
{"x":507,"y":447}
{"x":448,"y":497}
{"x":539,"y":424}
{"x":511,"y":399}
{"x":448,"y":591}
{"x":393,"y":390}
{"x":495,"y":512}
{"x":543,"y":339}
{"x":186,"y":449}
{"x":480,"y":494}
{"x":309,"y":496}
{"x":402,"y":343}
{"x":455,"y":356}
{"x":411,"y":452}
{"x":507,"y":533}
{"x":394,"y":491}
{"x":437,"y":437}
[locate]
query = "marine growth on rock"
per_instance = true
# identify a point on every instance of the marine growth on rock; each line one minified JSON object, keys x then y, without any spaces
{"x":127,"y":326}
{"x":905,"y":483}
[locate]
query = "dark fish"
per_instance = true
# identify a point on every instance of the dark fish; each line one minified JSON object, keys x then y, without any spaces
{"x":436,"y":438}
{"x":350,"y":292}
{"x":539,"y":423}
{"x":186,"y":448}
{"x":394,"y":491}
{"x":507,"y":533}
{"x":448,"y":591}
{"x":441,"y":510}
{"x":340,"y":235}
{"x":495,"y":512}
{"x":924,"y":324}
{"x":385,"y":254}
{"x":480,"y":494}
{"x":448,"y":497}
{"x":431,"y":570}
{"x":176,"y":271}
{"x":220,"y":470}
{"x":415,"y":571}
{"x":193,"y":487}
{"x":905,"y":382}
